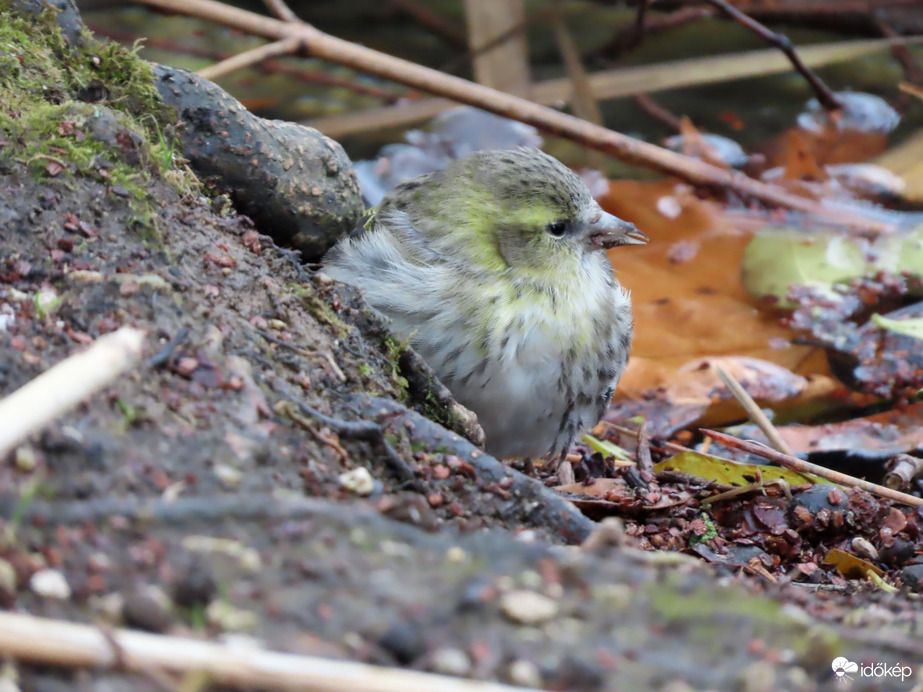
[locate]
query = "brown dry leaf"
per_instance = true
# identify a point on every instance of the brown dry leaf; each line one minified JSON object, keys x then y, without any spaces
{"x":799,"y":160}
{"x":826,"y":146}
{"x":696,"y":307}
{"x":694,"y":394}
{"x":881,"y":435}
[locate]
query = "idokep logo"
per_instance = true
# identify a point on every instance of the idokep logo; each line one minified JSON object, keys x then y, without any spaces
{"x":841,"y":666}
{"x":845,"y":670}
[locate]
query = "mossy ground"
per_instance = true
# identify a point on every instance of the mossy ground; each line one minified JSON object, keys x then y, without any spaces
{"x":51,"y":95}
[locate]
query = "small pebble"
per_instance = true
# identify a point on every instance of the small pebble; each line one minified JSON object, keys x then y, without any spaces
{"x":147,"y":610}
{"x":358,"y":481}
{"x":26,"y":459}
{"x":450,"y":661}
{"x":527,"y":607}
{"x":456,"y":554}
{"x":525,"y":674}
{"x":228,"y":475}
{"x":50,"y":583}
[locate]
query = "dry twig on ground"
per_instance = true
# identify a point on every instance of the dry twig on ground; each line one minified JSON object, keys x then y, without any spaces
{"x":801,"y":466}
{"x":67,"y":383}
{"x":60,"y":643}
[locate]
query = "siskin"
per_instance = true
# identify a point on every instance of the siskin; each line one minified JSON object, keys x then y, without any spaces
{"x":495,"y":270}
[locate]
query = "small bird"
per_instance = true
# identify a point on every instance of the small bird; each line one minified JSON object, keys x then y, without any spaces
{"x":495,"y":271}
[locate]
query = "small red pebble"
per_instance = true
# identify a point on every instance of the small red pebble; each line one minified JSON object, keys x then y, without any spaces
{"x":441,"y":472}
{"x":435,"y":500}
{"x":186,"y":366}
{"x":18,"y":343}
{"x":66,"y":244}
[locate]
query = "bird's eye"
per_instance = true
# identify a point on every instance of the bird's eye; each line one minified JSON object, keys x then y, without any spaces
{"x":557,"y":228}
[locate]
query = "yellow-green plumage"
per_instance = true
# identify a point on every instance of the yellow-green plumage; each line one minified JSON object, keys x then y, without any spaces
{"x":494,"y":269}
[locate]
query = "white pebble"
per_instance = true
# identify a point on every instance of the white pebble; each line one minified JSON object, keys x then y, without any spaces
{"x":358,"y":481}
{"x":527,"y":607}
{"x":50,"y":583}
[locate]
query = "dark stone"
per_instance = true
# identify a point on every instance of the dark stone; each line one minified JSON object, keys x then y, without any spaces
{"x":297,"y":185}
{"x":143,"y":612}
{"x":406,"y":641}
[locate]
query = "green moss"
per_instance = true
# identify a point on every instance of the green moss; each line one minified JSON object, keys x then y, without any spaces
{"x":393,"y":350}
{"x":317,"y":308}
{"x":91,"y":111}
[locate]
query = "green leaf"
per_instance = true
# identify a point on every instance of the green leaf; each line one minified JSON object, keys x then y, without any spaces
{"x":606,"y":448}
{"x":912,"y":328}
{"x":780,"y":257}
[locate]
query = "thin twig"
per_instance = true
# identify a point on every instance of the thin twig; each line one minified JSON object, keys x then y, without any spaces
{"x":912,"y":71}
{"x":585,"y":104}
{"x":628,"y":38}
{"x":645,"y":463}
{"x":254,"y":56}
{"x":433,"y":22}
{"x":616,"y":144}
{"x":801,"y":466}
{"x":43,"y":399}
{"x":281,"y":10}
{"x":270,"y":66}
{"x":622,"y":81}
{"x":640,"y":24}
{"x":289,"y":409}
{"x":60,"y":643}
{"x":669,"y":446}
{"x":655,"y":110}
{"x":754,"y":411}
{"x":163,"y":356}
{"x":825,"y":96}
{"x":368,"y":431}
{"x":323,"y":355}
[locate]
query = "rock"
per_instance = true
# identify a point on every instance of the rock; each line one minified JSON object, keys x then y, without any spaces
{"x":912,"y":576}
{"x":297,"y":185}
{"x":527,"y":607}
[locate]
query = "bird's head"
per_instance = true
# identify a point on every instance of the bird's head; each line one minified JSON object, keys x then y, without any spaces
{"x":520,"y":209}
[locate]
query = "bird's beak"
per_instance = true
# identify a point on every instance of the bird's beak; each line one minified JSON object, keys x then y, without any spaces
{"x":610,"y":231}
